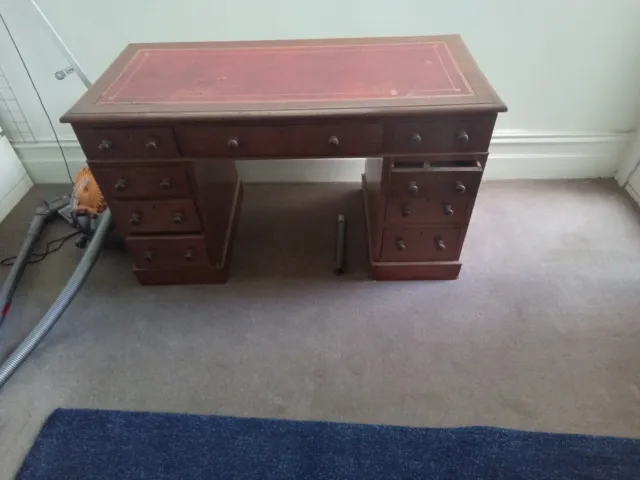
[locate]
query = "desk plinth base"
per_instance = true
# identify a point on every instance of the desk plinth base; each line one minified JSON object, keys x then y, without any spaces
{"x":414,"y":271}
{"x":403,"y":270}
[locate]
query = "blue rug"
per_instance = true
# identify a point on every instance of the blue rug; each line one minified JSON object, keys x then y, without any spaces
{"x":89,"y":444}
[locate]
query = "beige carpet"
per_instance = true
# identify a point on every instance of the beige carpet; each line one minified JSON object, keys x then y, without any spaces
{"x":541,"y":331}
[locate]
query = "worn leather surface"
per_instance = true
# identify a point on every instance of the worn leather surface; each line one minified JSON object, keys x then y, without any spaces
{"x":289,"y":73}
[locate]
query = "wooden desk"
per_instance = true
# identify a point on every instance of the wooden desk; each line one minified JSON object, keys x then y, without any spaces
{"x":163,"y":127}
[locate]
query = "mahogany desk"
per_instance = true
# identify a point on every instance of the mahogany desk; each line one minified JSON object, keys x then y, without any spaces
{"x":163,"y":127}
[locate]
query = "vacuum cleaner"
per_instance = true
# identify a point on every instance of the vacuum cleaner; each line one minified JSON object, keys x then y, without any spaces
{"x":84,"y":209}
{"x":94,"y":229}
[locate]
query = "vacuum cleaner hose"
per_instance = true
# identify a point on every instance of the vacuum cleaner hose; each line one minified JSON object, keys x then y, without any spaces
{"x":62,"y":302}
{"x":9,"y":286}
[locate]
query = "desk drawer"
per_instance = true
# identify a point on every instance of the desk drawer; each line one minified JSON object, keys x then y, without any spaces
{"x":406,"y":211}
{"x":450,"y":186}
{"x":415,"y":244}
{"x":284,"y":141}
{"x":137,"y":182}
{"x":442,"y":135}
{"x":410,"y":184}
{"x":434,"y":185}
{"x":172,"y":251}
{"x":161,"y":216}
{"x":441,"y":180}
{"x":123,"y":143}
{"x":104,"y":143}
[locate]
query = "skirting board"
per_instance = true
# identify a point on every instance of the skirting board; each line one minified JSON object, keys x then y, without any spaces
{"x":635,"y":195}
{"x":514,"y":155}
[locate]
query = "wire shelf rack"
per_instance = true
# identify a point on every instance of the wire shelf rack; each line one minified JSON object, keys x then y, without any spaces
{"x":12,"y":120}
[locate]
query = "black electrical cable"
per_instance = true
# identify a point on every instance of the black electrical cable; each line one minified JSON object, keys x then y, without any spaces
{"x":36,"y":257}
{"x":35,"y":89}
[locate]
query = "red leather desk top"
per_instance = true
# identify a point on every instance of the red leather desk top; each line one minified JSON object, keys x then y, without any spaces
{"x":316,"y":77}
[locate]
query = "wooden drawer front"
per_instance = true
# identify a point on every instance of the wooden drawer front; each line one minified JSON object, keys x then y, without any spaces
{"x":153,"y":143}
{"x":419,"y":244}
{"x":434,"y":185}
{"x":452,"y":185}
{"x":422,"y":210}
{"x":408,"y":210}
{"x":442,"y":135}
{"x":122,"y":143}
{"x":336,"y":141}
{"x":130,"y":182}
{"x":409,"y":184}
{"x":162,"y":216}
{"x":175,"y":251}
{"x":104,"y":143}
{"x":289,"y":141}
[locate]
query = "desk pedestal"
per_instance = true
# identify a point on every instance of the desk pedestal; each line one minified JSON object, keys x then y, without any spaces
{"x":179,"y":217}
{"x":417,"y":212}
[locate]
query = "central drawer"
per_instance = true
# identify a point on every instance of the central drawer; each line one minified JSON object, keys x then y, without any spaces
{"x":280,"y":141}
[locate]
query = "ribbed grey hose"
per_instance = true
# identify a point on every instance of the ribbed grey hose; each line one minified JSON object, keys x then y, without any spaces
{"x":62,"y":302}
{"x":8,"y":288}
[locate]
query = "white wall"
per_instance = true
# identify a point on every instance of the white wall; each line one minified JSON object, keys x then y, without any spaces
{"x":14,"y":181}
{"x":567,"y":69}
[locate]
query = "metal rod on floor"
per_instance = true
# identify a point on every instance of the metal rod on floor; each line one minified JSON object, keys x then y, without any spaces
{"x":81,"y":273}
{"x":340,"y":258}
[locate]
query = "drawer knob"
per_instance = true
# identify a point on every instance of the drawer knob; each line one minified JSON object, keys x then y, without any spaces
{"x":177,"y":218}
{"x":135,"y":218}
{"x":447,"y":209}
{"x":151,"y":144}
{"x":413,"y":187}
{"x":416,"y":139}
{"x":105,"y":145}
{"x":233,"y":142}
{"x":400,"y":245}
{"x":406,"y":211}
{"x":188,"y":254}
{"x":147,"y":255}
{"x":463,"y":138}
{"x":460,"y":187}
{"x":333,"y":140}
{"x":165,"y":183}
{"x":121,"y":185}
{"x":440,"y":246}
